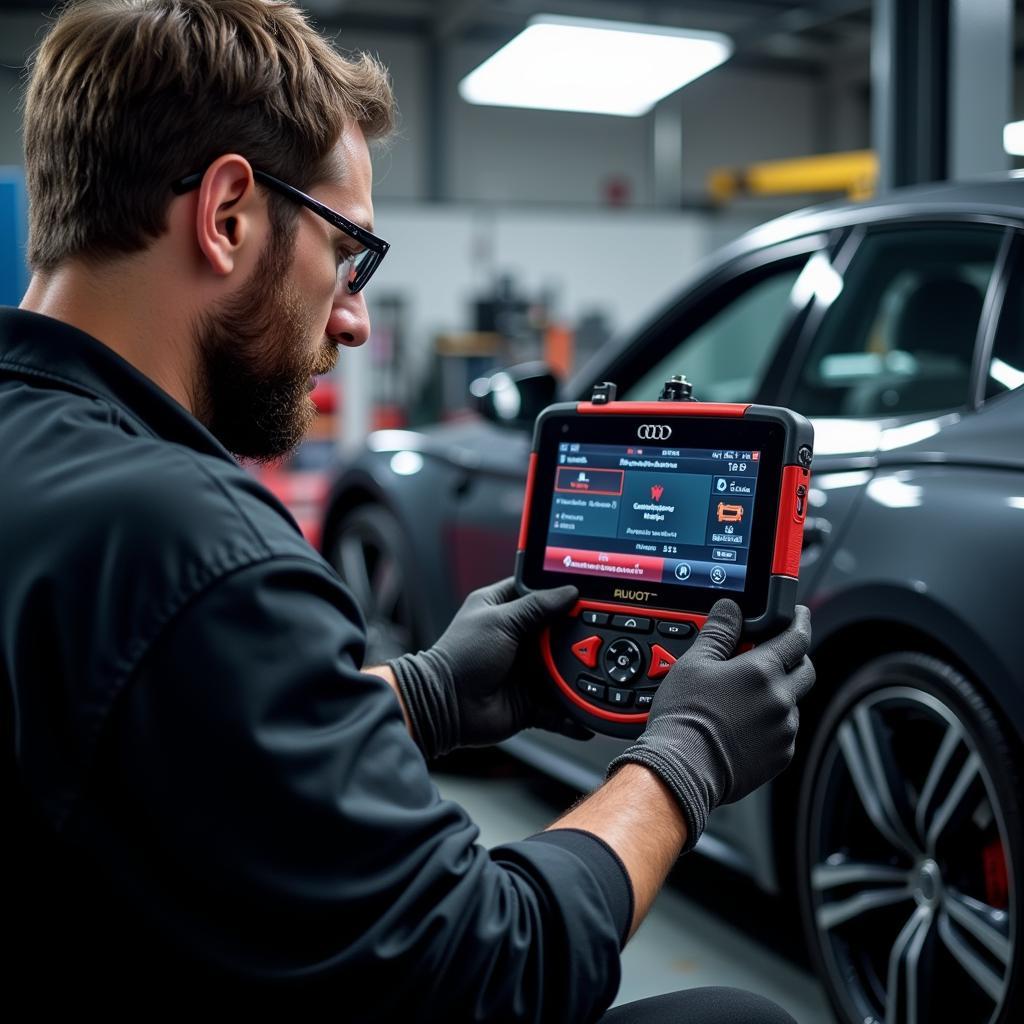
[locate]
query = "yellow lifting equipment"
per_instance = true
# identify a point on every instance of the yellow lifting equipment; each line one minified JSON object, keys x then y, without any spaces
{"x":854,"y":173}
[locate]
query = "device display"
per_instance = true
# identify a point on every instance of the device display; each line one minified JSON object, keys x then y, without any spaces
{"x":654,"y":511}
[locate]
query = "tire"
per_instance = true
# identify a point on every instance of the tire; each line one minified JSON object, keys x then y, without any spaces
{"x":909,"y":850}
{"x":369,"y":552}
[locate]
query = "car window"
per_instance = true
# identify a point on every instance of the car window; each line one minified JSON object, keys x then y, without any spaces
{"x":1006,"y":365}
{"x":726,"y":356}
{"x":899,"y":336}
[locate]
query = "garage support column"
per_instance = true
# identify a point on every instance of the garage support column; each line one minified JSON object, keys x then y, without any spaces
{"x":941,"y":73}
{"x":981,"y":85}
{"x":910,"y":104}
{"x":437,"y":135}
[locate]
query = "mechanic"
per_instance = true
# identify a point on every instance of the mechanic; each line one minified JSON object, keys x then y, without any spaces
{"x":208,"y":797}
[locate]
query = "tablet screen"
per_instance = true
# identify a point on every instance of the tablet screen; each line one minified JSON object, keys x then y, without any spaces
{"x":647,"y":513}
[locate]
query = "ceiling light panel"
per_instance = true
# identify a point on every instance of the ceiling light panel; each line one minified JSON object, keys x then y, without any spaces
{"x":589,"y":66}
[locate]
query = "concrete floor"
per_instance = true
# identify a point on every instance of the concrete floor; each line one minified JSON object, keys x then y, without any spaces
{"x":708,"y":926}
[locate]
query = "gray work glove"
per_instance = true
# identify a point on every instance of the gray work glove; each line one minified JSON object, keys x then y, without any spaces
{"x":483,"y":681}
{"x":719,"y":726}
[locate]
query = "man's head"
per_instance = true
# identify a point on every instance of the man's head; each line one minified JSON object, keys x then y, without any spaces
{"x":127,"y":97}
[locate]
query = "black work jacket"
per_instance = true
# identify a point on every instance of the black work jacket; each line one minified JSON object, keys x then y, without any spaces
{"x":202,"y":792}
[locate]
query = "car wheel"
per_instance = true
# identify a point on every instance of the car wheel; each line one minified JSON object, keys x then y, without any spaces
{"x":909,"y":849}
{"x":368,"y":551}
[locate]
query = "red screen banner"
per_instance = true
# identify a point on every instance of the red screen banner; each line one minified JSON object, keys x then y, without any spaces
{"x":604,"y":563}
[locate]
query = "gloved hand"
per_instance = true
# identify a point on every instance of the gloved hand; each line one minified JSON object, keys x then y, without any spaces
{"x":483,"y":681}
{"x":719,"y":727}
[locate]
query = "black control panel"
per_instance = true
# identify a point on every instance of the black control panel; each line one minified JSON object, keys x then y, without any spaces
{"x":614,"y":663}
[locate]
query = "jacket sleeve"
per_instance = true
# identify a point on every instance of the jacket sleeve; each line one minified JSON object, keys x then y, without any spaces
{"x":287,"y":833}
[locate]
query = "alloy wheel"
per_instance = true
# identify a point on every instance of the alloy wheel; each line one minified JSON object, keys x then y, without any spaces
{"x":367,"y":552}
{"x":909,"y":885}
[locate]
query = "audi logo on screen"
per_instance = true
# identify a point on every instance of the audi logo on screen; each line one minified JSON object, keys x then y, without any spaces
{"x":654,"y":432}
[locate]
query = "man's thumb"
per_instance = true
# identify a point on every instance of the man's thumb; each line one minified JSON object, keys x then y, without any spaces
{"x":543,"y":605}
{"x":720,"y":634}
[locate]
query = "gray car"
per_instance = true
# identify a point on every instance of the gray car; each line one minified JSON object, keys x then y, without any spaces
{"x":898,"y":327}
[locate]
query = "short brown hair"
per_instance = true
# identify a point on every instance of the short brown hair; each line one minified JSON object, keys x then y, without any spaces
{"x":126,"y":96}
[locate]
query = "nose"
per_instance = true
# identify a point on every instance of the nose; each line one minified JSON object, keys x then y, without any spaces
{"x":349,"y":322}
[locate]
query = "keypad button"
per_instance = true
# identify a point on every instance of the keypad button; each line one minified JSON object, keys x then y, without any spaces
{"x":631,"y":624}
{"x":661,"y":662}
{"x":590,"y":618}
{"x":675,"y":630}
{"x":644,"y":699}
{"x":587,"y":650}
{"x":623,"y":661}
{"x":590,"y":688}
{"x":621,"y":698}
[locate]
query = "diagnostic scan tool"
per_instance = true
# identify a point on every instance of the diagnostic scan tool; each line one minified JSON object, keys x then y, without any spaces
{"x":655,"y":510}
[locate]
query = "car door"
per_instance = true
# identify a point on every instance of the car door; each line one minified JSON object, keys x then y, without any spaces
{"x":889,"y":345}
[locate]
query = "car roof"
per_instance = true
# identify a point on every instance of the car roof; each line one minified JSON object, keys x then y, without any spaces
{"x":998,"y":197}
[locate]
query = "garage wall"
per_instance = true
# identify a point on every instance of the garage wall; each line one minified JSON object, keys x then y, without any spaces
{"x":19,"y":35}
{"x":493,"y":154}
{"x":501,"y":154}
{"x":400,"y":166}
{"x":443,"y":256}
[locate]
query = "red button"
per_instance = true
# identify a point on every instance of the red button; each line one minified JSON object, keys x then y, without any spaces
{"x":586,"y":650}
{"x":661,"y":662}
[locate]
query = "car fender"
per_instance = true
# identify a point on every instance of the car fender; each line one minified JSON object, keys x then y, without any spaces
{"x":929,"y":559}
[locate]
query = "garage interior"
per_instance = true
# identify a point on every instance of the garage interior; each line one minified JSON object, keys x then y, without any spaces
{"x":546,"y":237}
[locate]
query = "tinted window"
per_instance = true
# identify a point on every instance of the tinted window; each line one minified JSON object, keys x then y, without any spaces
{"x":899,"y":336}
{"x":1006,"y":367}
{"x":727,"y":355}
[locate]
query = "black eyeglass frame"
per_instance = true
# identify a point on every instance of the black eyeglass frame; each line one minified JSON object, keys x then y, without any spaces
{"x":376,"y":248}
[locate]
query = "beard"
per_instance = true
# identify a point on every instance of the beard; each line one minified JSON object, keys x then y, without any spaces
{"x":254,"y":363}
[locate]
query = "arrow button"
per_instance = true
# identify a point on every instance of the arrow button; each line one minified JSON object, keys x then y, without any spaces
{"x":586,"y":650}
{"x":661,"y":662}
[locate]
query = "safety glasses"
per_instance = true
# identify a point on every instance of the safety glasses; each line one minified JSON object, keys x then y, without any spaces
{"x":356,"y":269}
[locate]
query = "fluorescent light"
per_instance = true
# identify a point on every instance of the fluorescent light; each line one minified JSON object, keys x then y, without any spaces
{"x":1013,"y":138}
{"x":591,"y":66}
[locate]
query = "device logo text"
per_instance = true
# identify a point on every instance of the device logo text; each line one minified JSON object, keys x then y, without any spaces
{"x":635,"y":595}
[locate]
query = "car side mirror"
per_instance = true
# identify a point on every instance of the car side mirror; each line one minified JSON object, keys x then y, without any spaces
{"x":516,"y":396}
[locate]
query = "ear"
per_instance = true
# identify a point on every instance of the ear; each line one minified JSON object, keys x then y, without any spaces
{"x":230,"y":213}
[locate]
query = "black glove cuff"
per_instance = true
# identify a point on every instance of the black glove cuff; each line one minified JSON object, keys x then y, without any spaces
{"x":428,"y":691}
{"x":688,"y":793}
